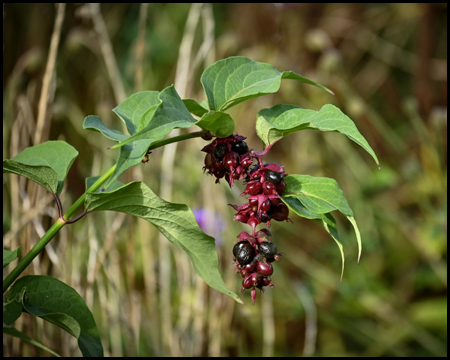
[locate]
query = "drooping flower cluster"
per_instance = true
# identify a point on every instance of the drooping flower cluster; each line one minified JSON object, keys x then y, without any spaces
{"x":253,"y":256}
{"x":230,"y":158}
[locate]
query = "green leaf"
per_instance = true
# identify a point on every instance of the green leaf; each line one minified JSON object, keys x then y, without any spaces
{"x":94,"y":123}
{"x":231,"y":81}
{"x":320,"y":196}
{"x":46,"y":164}
{"x":58,"y":303}
{"x":9,"y":256}
{"x":219,"y":123}
{"x":326,"y":220}
{"x":161,"y":119}
{"x":195,"y":108}
{"x":129,"y":155}
{"x":12,"y":306}
{"x":132,"y":109}
{"x":281,"y":120}
{"x":175,"y":221}
{"x":16,"y":333}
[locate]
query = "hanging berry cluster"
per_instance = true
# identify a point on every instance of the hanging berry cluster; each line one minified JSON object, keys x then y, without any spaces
{"x":230,"y":158}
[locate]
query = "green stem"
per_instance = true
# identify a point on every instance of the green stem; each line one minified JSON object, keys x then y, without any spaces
{"x":28,"y":258}
{"x":174,"y":139}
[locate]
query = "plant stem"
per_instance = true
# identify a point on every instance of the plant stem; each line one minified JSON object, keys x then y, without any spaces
{"x":171,"y":140}
{"x":36,"y":249}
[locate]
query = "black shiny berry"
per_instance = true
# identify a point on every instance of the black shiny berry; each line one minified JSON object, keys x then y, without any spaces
{"x":240,"y":147}
{"x":238,"y":246}
{"x":268,"y":249}
{"x":220,"y":150}
{"x":274,"y":177}
{"x":246,"y":254}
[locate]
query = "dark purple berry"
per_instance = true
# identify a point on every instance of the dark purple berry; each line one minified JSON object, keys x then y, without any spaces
{"x":274,"y":177}
{"x":246,"y":254}
{"x":217,"y":165}
{"x":209,"y":160}
{"x":240,"y":147}
{"x":264,"y":268}
{"x":268,"y":187}
{"x":280,"y":212}
{"x":253,"y":202}
{"x":238,"y":246}
{"x":265,"y":206}
{"x":268,"y":249}
{"x":264,"y":217}
{"x":280,"y":188}
{"x":230,"y":160}
{"x":220,"y":150}
{"x":247,"y":283}
{"x":253,"y":188}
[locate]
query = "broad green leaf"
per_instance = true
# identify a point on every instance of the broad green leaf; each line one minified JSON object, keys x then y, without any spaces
{"x":94,"y":123}
{"x":9,"y":256}
{"x":58,"y":303}
{"x":231,"y":81}
{"x":16,"y":333}
{"x":320,"y":196}
{"x":46,"y":164}
{"x":161,"y":119}
{"x":326,"y":220}
{"x":42,"y":175}
{"x":281,"y":120}
{"x":132,"y":109}
{"x":219,"y":123}
{"x":195,"y":108}
{"x":175,"y":221}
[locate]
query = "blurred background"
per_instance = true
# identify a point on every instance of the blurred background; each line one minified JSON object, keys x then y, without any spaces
{"x":387,"y":64}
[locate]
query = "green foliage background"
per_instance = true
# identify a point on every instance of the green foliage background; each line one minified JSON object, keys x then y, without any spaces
{"x":387,"y":64}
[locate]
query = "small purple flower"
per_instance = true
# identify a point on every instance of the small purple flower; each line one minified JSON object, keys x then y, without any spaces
{"x":211,"y":223}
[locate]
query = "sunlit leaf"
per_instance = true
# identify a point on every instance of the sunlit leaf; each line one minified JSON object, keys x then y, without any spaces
{"x":231,"y":81}
{"x":133,"y":108}
{"x":281,"y":120}
{"x":161,"y":119}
